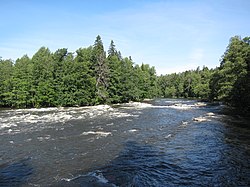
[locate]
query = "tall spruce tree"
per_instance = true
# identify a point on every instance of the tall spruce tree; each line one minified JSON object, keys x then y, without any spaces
{"x":114,"y":64}
{"x":101,"y":70}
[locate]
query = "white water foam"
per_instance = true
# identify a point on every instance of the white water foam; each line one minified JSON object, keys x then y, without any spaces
{"x":207,"y":117}
{"x":121,"y":115}
{"x":132,"y":130}
{"x":98,"y":179}
{"x":39,"y":109}
{"x":7,"y":125}
{"x":137,"y":105}
{"x":99,"y":176}
{"x":99,"y":133}
{"x":184,"y":123}
{"x":201,"y":119}
{"x":175,"y":105}
{"x":181,"y":106}
{"x":210,"y":114}
{"x":168,"y":136}
{"x":11,"y":118}
{"x":42,"y":138}
{"x":110,"y":124}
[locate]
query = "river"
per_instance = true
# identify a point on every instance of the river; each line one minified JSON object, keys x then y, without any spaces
{"x":164,"y":142}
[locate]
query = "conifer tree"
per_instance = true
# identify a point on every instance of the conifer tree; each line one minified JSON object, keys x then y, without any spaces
{"x":101,"y":70}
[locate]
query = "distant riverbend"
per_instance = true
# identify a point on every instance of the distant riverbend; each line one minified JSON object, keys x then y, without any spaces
{"x":162,"y":142}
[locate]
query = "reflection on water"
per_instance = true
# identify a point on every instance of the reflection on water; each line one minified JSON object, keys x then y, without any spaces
{"x":159,"y":143}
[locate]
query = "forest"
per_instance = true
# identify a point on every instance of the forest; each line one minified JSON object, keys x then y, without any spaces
{"x":229,"y":82}
{"x":91,"y":76}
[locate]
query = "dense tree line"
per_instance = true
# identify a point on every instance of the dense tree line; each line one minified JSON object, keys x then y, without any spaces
{"x":230,"y":82}
{"x":93,"y":76}
{"x":87,"y":77}
{"x":188,"y":84}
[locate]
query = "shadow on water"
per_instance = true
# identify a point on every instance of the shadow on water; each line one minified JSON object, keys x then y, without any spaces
{"x":139,"y":165}
{"x":136,"y":165}
{"x":16,"y":173}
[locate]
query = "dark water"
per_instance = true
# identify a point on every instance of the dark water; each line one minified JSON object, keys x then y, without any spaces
{"x":159,"y":143}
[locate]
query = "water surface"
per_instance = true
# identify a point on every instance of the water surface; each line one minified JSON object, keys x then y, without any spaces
{"x":159,"y":143}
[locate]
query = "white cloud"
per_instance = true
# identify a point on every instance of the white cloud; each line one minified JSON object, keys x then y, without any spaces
{"x":171,"y":36}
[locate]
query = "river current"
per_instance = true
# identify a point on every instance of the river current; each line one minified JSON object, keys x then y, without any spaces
{"x":164,"y":142}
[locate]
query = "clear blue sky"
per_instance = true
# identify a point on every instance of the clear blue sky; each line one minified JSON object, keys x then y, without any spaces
{"x":172,"y":35}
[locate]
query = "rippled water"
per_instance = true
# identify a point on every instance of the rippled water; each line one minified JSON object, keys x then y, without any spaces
{"x":160,"y":143}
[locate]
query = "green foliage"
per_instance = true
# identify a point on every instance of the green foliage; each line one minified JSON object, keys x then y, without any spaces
{"x":189,"y":84}
{"x":89,"y":78}
{"x":231,"y":81}
{"x":101,"y":71}
{"x":64,"y":79}
{"x":6,"y":82}
{"x":22,"y":82}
